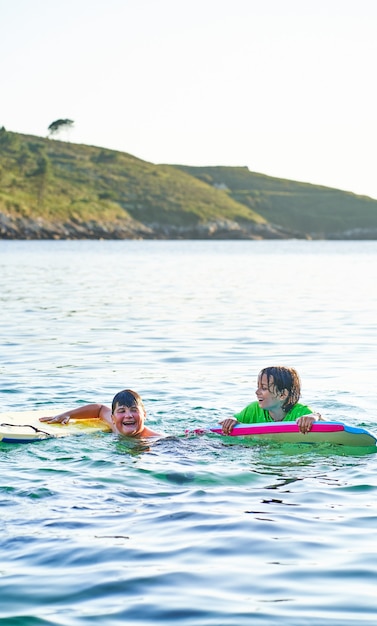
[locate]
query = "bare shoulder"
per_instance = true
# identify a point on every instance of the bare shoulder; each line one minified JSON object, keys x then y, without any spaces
{"x":147,"y":432}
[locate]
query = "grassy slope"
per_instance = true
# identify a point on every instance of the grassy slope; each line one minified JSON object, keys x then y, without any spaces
{"x":60,"y":181}
{"x":89,"y":183}
{"x":298,"y":206}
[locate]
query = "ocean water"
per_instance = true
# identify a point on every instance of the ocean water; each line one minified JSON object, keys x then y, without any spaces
{"x":200,"y":531}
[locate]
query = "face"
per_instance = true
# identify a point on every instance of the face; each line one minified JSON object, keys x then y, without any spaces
{"x":267,"y":394}
{"x":128,"y":420}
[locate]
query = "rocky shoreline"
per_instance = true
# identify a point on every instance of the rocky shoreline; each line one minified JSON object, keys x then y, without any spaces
{"x":27,"y":228}
{"x":20,"y":228}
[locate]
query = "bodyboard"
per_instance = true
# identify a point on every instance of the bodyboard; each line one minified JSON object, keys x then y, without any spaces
{"x":288,"y":432}
{"x":25,"y":427}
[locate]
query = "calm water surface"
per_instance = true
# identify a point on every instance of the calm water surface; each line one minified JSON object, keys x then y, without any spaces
{"x":187,"y":530}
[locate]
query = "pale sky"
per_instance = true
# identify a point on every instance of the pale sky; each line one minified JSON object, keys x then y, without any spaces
{"x":284,"y":87}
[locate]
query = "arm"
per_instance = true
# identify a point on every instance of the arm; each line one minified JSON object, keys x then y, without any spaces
{"x":247,"y":415}
{"x":228,"y":425}
{"x":87,"y":412}
{"x":305,"y":422}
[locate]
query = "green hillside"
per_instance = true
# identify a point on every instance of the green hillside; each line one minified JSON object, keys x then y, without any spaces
{"x":319,"y":211}
{"x":57,"y":189}
{"x":62,"y":182}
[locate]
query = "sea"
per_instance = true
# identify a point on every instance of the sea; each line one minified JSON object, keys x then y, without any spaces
{"x":187,"y":530}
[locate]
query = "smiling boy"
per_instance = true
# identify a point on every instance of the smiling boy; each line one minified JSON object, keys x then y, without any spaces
{"x":278,"y":391}
{"x":126,"y":416}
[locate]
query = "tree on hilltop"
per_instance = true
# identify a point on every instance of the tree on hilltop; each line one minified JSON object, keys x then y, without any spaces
{"x":56,"y":127}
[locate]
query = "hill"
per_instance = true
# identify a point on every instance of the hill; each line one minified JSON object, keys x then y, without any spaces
{"x":318,"y":211}
{"x":55,"y":189}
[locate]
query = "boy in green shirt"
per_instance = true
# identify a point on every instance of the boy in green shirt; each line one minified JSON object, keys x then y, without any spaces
{"x":278,"y":391}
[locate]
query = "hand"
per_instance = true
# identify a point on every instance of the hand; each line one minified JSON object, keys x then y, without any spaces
{"x":305,"y":422}
{"x":228,"y":425}
{"x":58,"y":419}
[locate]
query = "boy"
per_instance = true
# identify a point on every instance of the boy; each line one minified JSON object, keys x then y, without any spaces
{"x":126,"y":416}
{"x":278,"y":391}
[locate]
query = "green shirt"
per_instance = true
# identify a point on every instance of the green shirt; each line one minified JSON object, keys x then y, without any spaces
{"x":253,"y":414}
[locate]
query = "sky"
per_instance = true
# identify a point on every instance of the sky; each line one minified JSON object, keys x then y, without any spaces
{"x":284,"y":87}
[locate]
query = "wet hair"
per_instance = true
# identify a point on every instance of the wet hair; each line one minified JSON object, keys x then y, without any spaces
{"x":280,"y":378}
{"x":126,"y":397}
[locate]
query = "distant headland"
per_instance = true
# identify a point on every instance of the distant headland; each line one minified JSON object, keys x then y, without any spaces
{"x":51,"y":189}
